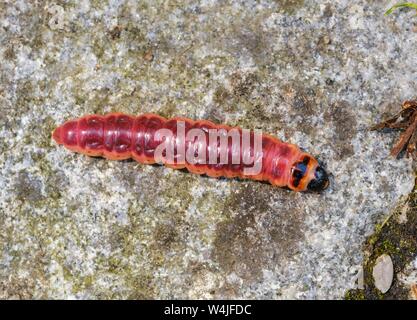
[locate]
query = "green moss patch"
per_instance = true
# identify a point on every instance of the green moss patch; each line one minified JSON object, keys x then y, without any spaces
{"x":396,"y":238}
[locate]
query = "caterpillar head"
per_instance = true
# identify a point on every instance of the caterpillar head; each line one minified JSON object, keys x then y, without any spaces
{"x":320,"y":181}
{"x":307,"y":174}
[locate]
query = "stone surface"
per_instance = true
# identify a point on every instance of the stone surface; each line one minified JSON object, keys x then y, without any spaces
{"x":383,"y":273}
{"x":408,"y":277}
{"x":315,"y":73}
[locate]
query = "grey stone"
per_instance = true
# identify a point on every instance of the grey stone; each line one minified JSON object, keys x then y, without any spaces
{"x":314,"y":73}
{"x":408,"y":278}
{"x":383,"y":273}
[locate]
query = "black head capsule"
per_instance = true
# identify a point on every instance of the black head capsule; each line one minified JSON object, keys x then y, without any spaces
{"x":320,"y":181}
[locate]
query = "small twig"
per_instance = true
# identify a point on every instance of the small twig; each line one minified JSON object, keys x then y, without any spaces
{"x":404,"y":138}
{"x":391,"y":123}
{"x":405,"y":119}
{"x":412,"y":146}
{"x":414,"y":290}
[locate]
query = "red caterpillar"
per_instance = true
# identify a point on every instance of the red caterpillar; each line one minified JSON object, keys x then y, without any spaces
{"x":118,"y":136}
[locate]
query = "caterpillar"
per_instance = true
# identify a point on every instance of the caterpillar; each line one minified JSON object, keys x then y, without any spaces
{"x":191,"y":145}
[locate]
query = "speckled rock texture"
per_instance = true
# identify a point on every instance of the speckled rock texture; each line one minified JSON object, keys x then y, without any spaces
{"x":315,"y":73}
{"x":409,"y":279}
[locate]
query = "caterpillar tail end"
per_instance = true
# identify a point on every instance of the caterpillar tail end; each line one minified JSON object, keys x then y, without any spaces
{"x":56,"y":135}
